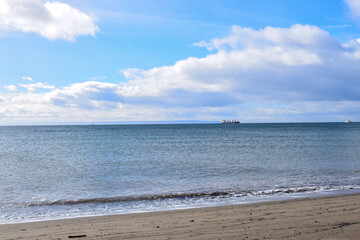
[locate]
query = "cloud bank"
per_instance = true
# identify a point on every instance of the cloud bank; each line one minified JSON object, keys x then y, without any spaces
{"x":52,"y":20}
{"x":300,"y":73}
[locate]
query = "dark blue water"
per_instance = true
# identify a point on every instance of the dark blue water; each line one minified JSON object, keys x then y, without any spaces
{"x":49,"y":172}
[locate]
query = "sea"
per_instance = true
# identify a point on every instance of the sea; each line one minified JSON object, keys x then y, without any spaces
{"x":56,"y":172}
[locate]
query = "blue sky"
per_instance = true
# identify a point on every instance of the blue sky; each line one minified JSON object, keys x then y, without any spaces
{"x":112,"y":61}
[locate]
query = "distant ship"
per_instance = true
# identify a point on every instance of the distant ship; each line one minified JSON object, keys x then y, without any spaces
{"x":348,"y":121}
{"x":229,"y":121}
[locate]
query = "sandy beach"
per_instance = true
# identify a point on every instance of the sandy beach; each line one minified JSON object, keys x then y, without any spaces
{"x":316,"y":218}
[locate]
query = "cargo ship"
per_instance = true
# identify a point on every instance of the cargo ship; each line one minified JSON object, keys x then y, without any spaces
{"x":229,"y":122}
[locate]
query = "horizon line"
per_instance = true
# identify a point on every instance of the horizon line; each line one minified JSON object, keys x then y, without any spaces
{"x":100,"y":123}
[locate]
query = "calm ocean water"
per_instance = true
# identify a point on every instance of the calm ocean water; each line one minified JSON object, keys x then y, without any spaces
{"x":50,"y":172}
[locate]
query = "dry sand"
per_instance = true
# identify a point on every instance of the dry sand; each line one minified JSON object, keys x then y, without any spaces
{"x":319,"y":218}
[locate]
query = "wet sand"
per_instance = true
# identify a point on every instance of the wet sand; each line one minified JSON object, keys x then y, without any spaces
{"x":317,"y":218}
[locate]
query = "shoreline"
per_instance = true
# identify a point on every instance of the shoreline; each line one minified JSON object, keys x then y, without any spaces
{"x":324,"y":217}
{"x":272,"y":198}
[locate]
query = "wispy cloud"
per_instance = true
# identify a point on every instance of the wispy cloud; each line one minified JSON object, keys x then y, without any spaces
{"x":33,"y":86}
{"x":27,"y":79}
{"x":98,"y":78}
{"x":11,"y":88}
{"x":338,"y":26}
{"x":52,"y":20}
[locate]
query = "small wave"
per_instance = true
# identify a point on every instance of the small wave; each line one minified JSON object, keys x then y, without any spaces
{"x":216,"y":194}
{"x":128,"y":199}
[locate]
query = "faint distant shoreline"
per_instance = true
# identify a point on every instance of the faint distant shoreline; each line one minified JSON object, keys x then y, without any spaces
{"x":151,"y":123}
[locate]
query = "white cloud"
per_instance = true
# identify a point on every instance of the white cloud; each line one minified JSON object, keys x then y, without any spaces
{"x":27,"y":79}
{"x":298,"y":36}
{"x":277,"y":64}
{"x":10,"y":88}
{"x":52,"y":20}
{"x":354,"y":6}
{"x":33,"y":86}
{"x":4,"y":8}
{"x":87,"y":95}
{"x":299,"y":73}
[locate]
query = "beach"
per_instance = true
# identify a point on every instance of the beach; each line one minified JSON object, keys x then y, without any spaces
{"x":336,"y":217}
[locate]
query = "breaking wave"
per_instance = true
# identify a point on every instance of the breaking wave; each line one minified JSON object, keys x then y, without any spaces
{"x":215,"y":194}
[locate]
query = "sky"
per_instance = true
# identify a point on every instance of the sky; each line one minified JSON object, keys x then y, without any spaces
{"x":91,"y":61}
